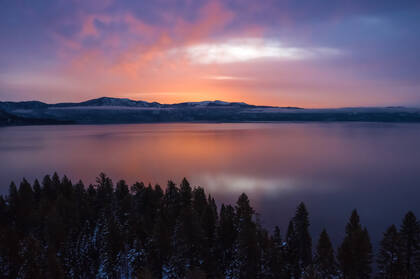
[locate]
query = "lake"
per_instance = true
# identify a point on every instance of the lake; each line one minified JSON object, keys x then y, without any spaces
{"x":332,"y":167}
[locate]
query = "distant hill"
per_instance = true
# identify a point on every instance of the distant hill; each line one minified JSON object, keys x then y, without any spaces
{"x":120,"y":102}
{"x":118,"y":110}
{"x":8,"y":119}
{"x":5,"y":117}
{"x":107,"y":101}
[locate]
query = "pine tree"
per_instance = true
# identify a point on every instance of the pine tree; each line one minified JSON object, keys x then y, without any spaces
{"x":123,"y":200}
{"x":278,"y":265}
{"x":5,"y":259}
{"x":159,"y":247}
{"x":9,"y":236}
{"x":55,"y":185}
{"x":37,"y":191}
{"x":410,"y":243}
{"x":104,"y":194}
{"x":13,"y":202}
{"x":25,"y":217}
{"x":137,"y":188}
{"x":355,"y":252}
{"x":31,"y":259}
{"x":325,"y":263}
{"x":199,"y":200}
{"x":110,"y":247}
{"x":81,"y":203}
{"x":185,"y":193}
{"x":158,"y":192}
{"x":266,"y":253}
{"x":389,"y":257}
{"x":303,"y":238}
{"x":63,"y":230}
{"x":171,"y":204}
{"x":48,"y":189}
{"x":3,"y":213}
{"x":66,"y":187}
{"x":226,"y":235}
{"x":208,"y":222}
{"x":247,"y":253}
{"x":292,"y":269}
{"x":187,"y":243}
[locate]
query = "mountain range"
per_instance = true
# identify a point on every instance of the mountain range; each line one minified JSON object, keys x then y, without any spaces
{"x":121,"y":102}
{"x":120,"y":110}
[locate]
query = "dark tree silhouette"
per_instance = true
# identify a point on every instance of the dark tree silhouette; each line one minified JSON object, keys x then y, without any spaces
{"x":355,"y":252}
{"x":410,"y":244}
{"x":226,"y":235}
{"x":58,"y":229}
{"x":246,"y":260}
{"x":324,"y":260}
{"x":389,"y":257}
{"x":292,"y":253}
{"x":303,"y":239}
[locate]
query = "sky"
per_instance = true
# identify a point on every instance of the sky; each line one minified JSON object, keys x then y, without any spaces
{"x":311,"y":53}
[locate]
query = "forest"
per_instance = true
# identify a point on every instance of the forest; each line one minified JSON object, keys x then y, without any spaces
{"x":59,"y":229}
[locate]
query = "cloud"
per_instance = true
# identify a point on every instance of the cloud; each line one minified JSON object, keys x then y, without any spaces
{"x":242,"y":50}
{"x":227,"y":78}
{"x":276,"y":52}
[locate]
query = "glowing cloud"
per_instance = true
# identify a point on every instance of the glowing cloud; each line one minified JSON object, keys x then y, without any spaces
{"x":227,"y":78}
{"x":241,"y":50}
{"x":261,"y":52}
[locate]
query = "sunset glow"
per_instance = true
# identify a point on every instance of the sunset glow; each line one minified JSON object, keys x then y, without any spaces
{"x":274,"y":53}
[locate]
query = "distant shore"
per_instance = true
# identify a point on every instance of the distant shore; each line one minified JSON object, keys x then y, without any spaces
{"x":125,"y":111}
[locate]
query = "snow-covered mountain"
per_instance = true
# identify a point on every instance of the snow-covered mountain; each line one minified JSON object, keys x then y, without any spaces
{"x":116,"y":110}
{"x":107,"y":101}
{"x":216,"y":103}
{"x":118,"y":102}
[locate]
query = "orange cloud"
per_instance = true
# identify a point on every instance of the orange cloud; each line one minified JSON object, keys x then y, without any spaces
{"x":149,"y":62}
{"x":135,"y":67}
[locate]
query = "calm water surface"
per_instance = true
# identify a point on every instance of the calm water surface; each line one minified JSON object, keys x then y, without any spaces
{"x":332,"y":167}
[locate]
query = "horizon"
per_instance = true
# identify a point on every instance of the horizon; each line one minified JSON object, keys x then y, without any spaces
{"x":216,"y":100}
{"x":267,"y":53}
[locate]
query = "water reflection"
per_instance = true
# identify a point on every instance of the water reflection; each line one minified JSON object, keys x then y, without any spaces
{"x":332,"y":167}
{"x":231,"y":184}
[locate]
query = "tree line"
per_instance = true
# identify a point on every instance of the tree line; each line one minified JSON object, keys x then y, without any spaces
{"x":58,"y":229}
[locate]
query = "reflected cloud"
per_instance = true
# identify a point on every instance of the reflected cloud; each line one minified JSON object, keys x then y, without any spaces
{"x":236,"y":184}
